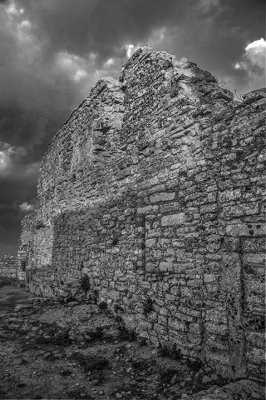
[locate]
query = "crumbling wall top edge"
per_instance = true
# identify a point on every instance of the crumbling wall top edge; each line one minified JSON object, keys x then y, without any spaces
{"x":105,"y":83}
{"x":254,"y":95}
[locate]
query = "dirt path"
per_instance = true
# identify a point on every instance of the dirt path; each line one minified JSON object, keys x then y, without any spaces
{"x":79,"y":351}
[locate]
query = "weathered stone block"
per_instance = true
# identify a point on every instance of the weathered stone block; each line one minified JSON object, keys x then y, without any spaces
{"x":208,"y":278}
{"x":165,"y":266}
{"x":164,"y":196}
{"x":174,"y":219}
{"x":150,"y":242}
{"x":177,"y":325}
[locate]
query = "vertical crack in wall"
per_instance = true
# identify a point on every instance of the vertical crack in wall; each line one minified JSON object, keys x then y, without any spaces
{"x":237,"y":340}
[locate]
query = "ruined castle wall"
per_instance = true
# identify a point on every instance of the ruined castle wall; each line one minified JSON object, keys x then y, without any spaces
{"x":8,"y":268}
{"x":163,"y":210}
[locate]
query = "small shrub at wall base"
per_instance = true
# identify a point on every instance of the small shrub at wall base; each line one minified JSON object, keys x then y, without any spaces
{"x":85,"y":284}
{"x":173,"y":352}
{"x":126,"y":334}
{"x":148,"y":306}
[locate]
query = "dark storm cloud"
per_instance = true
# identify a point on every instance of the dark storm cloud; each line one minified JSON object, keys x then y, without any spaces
{"x":35,"y":91}
{"x":99,"y":26}
{"x":221,"y":35}
{"x":17,"y":187}
{"x":211,"y":31}
{"x":32,"y":92}
{"x":52,"y":51}
{"x":9,"y":222}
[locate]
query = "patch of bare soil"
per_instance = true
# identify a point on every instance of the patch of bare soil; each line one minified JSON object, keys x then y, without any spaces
{"x":80,"y":351}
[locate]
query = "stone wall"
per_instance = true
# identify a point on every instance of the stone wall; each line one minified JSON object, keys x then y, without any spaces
{"x":8,"y":268}
{"x":153,"y":188}
{"x":26,"y":265}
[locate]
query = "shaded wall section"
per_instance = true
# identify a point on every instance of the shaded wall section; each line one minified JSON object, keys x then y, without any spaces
{"x":154,"y":189}
{"x":26,"y":258}
{"x":8,"y":269}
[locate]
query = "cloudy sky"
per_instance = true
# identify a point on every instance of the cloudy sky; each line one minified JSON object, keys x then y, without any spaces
{"x":52,"y":51}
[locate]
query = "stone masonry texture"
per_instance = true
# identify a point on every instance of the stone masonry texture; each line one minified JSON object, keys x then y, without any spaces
{"x":8,"y":268}
{"x":153,"y":188}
